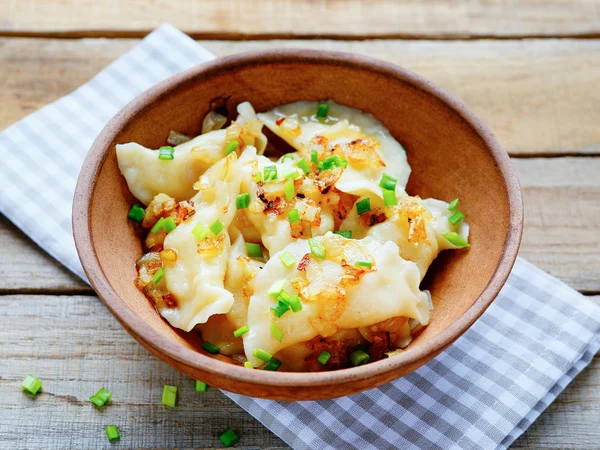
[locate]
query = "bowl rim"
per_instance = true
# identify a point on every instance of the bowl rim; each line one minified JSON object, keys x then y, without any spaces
{"x":188,"y":357}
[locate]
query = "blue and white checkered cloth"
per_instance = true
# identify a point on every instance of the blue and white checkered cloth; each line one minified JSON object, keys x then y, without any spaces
{"x":481,"y":393}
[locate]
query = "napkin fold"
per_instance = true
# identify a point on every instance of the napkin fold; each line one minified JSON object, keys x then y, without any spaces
{"x":482,"y":392}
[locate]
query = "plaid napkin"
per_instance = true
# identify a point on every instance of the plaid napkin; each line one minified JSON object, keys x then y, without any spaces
{"x":483,"y":392}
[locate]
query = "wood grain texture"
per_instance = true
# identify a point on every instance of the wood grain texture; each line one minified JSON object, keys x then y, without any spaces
{"x":317,"y":18}
{"x":539,"y":97}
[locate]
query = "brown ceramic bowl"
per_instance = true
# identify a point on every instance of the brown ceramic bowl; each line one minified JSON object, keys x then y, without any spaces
{"x":451,"y":152}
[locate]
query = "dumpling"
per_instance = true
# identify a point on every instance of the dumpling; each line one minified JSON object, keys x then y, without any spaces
{"x":334,"y":292}
{"x":349,"y":133}
{"x":148,"y":176}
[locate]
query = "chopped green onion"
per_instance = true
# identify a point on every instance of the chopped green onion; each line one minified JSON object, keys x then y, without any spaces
{"x":241,"y":331}
{"x":303,"y":164}
{"x":389,"y":198}
{"x":276,"y":332}
{"x":201,"y":386}
{"x":273,"y":364}
{"x":456,"y":217}
{"x":333,"y":161}
{"x":200,"y":231}
{"x":292,"y":174}
{"x":364,"y":263}
{"x":289,"y":189}
{"x":242,"y":200}
{"x":358,"y":358}
{"x":388,"y":182}
{"x":169,"y":224}
{"x":258,"y":177}
{"x":314,"y":156}
{"x":101,"y":397}
{"x":166,"y":153}
{"x":363,"y":206}
{"x":280,"y":309}
{"x":287,"y":259}
{"x":158,"y":275}
{"x":322,"y":110}
{"x":295,"y":303}
{"x":324,"y":357}
{"x":284,"y":297}
{"x":136,"y":213}
{"x":158,"y":225}
{"x":293,"y":216}
{"x":344,"y":233}
{"x":276,"y":288}
{"x":231,"y":147}
{"x":112,"y":433}
{"x":216,"y":227}
{"x":455,"y":239}
{"x":270,"y":173}
{"x":248,"y":365}
{"x":31,"y":384}
{"x":169,"y":397}
{"x":286,"y":157}
{"x":453,"y":204}
{"x":210,"y":348}
{"x":96,"y":401}
{"x":254,"y":250}
{"x":262,"y":355}
{"x":229,"y":438}
{"x":316,"y":248}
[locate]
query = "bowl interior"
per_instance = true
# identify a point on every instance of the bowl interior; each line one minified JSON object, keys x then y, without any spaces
{"x":448,"y":156}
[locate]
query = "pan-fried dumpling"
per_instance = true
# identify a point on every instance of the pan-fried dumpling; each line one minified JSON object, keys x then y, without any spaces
{"x":335,"y":293}
{"x":349,"y":133}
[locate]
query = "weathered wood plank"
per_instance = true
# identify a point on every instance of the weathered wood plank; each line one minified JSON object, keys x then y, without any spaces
{"x":75,"y":347}
{"x":538,"y":96}
{"x":317,"y":18}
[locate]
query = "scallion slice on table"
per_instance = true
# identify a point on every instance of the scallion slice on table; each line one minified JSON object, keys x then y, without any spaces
{"x":287,"y":259}
{"x":241,"y":331}
{"x":456,"y":217}
{"x":324,"y":357}
{"x":229,"y":438}
{"x":455,"y":239}
{"x":169,"y":397}
{"x":254,"y":250}
{"x":231,"y":147}
{"x":216,"y":227}
{"x":201,"y":386}
{"x":453,"y":204}
{"x":262,"y":355}
{"x":136,"y":213}
{"x":31,"y":384}
{"x":316,"y":248}
{"x":112,"y":433}
{"x":303,"y":164}
{"x":242,"y":200}
{"x":276,"y":332}
{"x":358,"y":358}
{"x":363,"y":206}
{"x":322,"y":110}
{"x":293,"y":216}
{"x":166,"y":153}
{"x":200,"y":231}
{"x":210,"y":348}
{"x":158,"y":275}
{"x":344,"y":233}
{"x":389,"y":198}
{"x":101,"y":397}
{"x":388,"y":182}
{"x":169,"y":224}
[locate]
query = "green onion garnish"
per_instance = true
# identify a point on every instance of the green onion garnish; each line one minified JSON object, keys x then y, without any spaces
{"x":344,"y":233}
{"x":364,"y":264}
{"x":314,"y":156}
{"x":289,"y":189}
{"x":273,"y":364}
{"x":158,"y":275}
{"x":259,"y":177}
{"x":158,"y":225}
{"x":276,"y":332}
{"x":31,"y":384}
{"x":280,"y":309}
{"x":295,"y":303}
{"x":241,"y":331}
{"x":136,"y":213}
{"x":166,"y":153}
{"x":303,"y":164}
{"x":201,"y":386}
{"x":231,"y":147}
{"x":284,"y":297}
{"x":262,"y":355}
{"x":112,"y":433}
{"x":358,"y":358}
{"x":101,"y":397}
{"x":270,"y":173}
{"x":316,"y":248}
{"x":453,"y":204}
{"x":286,"y":157}
{"x":287,"y":259}
{"x":200,"y":231}
{"x":292,"y":174}
{"x":169,"y":224}
{"x":455,"y":239}
{"x":322,"y":110}
{"x":293,"y":216}
{"x":211,"y":348}
{"x":169,"y":397}
{"x":388,"y":182}
{"x":324,"y":357}
{"x":456,"y":217}
{"x":363,"y":206}
{"x":242,"y":200}
{"x":254,"y":250}
{"x":248,"y":365}
{"x":276,"y":288}
{"x":216,"y":227}
{"x":229,"y":438}
{"x":332,"y":161}
{"x":389,"y":198}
